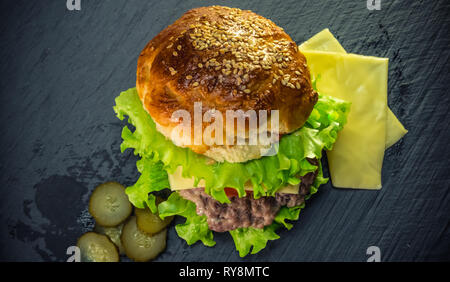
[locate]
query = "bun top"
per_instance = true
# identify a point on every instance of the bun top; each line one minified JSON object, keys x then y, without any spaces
{"x":228,"y":59}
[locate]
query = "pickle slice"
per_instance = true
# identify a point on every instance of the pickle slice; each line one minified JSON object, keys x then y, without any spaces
{"x":149,"y":222}
{"x":97,"y":248}
{"x":113,"y":234}
{"x":109,"y":205}
{"x":140,"y":246}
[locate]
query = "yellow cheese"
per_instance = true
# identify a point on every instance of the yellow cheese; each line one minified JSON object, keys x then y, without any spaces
{"x":178,"y":182}
{"x":394,"y":129}
{"x":357,"y":156}
{"x":325,"y":41}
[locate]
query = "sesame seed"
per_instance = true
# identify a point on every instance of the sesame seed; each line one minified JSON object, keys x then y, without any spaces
{"x":175,"y":53}
{"x":247,"y":91}
{"x":172,"y":71}
{"x":189,"y":77}
{"x":195,"y":84}
{"x":169,"y":46}
{"x":246,"y":51}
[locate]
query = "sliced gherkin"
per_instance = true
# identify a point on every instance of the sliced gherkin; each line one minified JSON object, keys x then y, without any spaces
{"x":97,"y":248}
{"x":140,"y":246}
{"x":109,"y":205}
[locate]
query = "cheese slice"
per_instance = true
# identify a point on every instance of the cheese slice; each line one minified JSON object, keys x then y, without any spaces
{"x":357,"y":156}
{"x":394,"y":129}
{"x":325,"y":41}
{"x":178,"y":182}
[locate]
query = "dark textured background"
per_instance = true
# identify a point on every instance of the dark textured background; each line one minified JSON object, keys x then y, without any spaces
{"x":61,"y":70}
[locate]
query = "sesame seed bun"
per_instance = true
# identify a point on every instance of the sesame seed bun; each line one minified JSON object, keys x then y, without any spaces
{"x":228,"y":59}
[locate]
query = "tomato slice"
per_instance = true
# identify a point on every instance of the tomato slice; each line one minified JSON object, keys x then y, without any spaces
{"x":231,"y":192}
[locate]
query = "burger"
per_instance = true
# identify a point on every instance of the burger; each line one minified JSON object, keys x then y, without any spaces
{"x":207,"y":87}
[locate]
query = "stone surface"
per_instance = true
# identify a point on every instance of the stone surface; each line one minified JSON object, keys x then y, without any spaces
{"x":61,"y":70}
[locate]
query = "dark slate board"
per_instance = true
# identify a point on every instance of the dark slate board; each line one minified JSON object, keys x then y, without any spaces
{"x":61,"y":70}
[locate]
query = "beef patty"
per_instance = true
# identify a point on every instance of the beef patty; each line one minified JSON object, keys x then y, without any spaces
{"x":246,"y":211}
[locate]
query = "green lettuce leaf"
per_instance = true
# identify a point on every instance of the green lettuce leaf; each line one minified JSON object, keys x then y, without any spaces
{"x":254,"y":239}
{"x":153,"y":178}
{"x":195,"y":228}
{"x":318,"y":133}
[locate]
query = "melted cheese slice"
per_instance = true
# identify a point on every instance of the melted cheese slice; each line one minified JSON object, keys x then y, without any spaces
{"x":178,"y":182}
{"x":357,"y":156}
{"x":325,"y":41}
